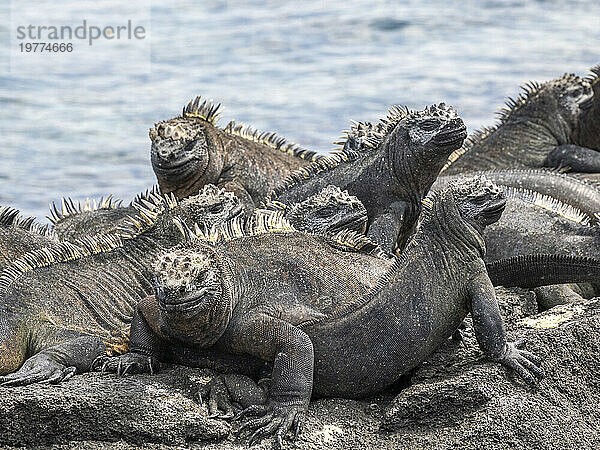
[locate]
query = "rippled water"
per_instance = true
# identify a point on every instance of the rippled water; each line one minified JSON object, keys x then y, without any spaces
{"x":303,"y":69}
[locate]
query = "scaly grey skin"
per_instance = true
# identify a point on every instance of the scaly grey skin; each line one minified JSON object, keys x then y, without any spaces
{"x":327,"y":212}
{"x":349,"y":331}
{"x":389,"y":167}
{"x":19,"y":235}
{"x":190,"y":151}
{"x":72,"y":221}
{"x":548,"y":213}
{"x":543,"y":127}
{"x":59,"y":308}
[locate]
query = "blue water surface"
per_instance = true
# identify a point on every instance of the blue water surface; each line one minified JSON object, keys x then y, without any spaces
{"x":303,"y":69}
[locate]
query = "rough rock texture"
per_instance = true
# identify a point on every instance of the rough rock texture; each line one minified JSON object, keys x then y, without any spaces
{"x":455,"y":400}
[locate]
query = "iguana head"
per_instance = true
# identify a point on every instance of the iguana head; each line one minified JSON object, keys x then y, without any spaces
{"x":422,"y":140}
{"x":210,"y":207}
{"x":190,"y":295}
{"x":183,"y":152}
{"x":479,"y":201}
{"x":558,"y":103}
{"x":328,"y":212}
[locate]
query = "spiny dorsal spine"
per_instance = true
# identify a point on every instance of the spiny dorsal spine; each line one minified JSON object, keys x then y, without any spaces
{"x":270,"y":139}
{"x":70,"y":208}
{"x":149,"y":208}
{"x":63,"y":252}
{"x":263,"y":222}
{"x":203,"y":109}
{"x":551,"y":204}
{"x":10,"y":217}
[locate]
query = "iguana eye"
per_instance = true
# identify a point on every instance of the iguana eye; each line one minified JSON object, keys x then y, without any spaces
{"x":429,"y":124}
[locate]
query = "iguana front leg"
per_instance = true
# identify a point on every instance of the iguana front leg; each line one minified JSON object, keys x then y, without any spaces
{"x":291,"y":350}
{"x":385,"y":228}
{"x":578,"y":159}
{"x":491,"y":335}
{"x":57,"y":363}
{"x":241,"y":193}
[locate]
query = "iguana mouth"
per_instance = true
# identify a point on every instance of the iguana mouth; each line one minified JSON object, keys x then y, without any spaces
{"x":494,"y":212}
{"x":453,"y":138}
{"x":357,"y":223}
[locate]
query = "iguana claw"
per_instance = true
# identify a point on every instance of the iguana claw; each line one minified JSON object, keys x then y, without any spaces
{"x":39,"y":368}
{"x":524,"y":363}
{"x":127,"y":363}
{"x":277,"y":419}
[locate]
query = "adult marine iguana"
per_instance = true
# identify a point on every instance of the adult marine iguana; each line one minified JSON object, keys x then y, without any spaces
{"x":19,"y":235}
{"x":542,"y":127}
{"x":389,"y":166}
{"x":191,"y":151}
{"x":91,"y":285}
{"x":348,"y":331}
{"x":328,"y":211}
{"x":58,"y":306}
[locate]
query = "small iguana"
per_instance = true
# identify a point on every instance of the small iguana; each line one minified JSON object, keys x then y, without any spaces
{"x":59,"y":305}
{"x":545,"y":126}
{"x":191,"y":151}
{"x":389,"y":166}
{"x":19,"y":235}
{"x":348,"y":331}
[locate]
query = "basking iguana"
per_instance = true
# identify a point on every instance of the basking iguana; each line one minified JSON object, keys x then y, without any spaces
{"x":389,"y":166}
{"x":19,"y":235}
{"x":543,"y":127}
{"x":329,"y":211}
{"x":547,"y":213}
{"x":59,"y":305}
{"x":348,"y":331}
{"x":91,"y":285}
{"x":191,"y":151}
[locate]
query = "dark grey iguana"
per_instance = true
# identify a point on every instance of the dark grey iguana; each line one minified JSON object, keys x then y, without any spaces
{"x":348,"y":331}
{"x":389,"y":166}
{"x":542,"y":127}
{"x":547,"y":213}
{"x":19,"y":235}
{"x":91,"y":285}
{"x":59,"y":306}
{"x":191,"y":151}
{"x":329,"y":211}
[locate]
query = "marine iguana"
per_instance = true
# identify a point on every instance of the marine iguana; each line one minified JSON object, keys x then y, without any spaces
{"x":348,"y":331}
{"x":19,"y":234}
{"x":191,"y":151}
{"x":543,"y":127}
{"x":58,"y":306}
{"x":329,"y":211}
{"x":389,"y":166}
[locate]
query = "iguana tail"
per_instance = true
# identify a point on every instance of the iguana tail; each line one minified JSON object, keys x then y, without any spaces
{"x":542,"y":270}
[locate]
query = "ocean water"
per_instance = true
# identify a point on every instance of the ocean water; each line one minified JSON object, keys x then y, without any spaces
{"x":303,"y":69}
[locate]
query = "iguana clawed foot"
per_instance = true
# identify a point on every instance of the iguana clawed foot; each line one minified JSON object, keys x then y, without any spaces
{"x":524,"y":363}
{"x":40,"y":368}
{"x":277,"y":419}
{"x":126,"y":363}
